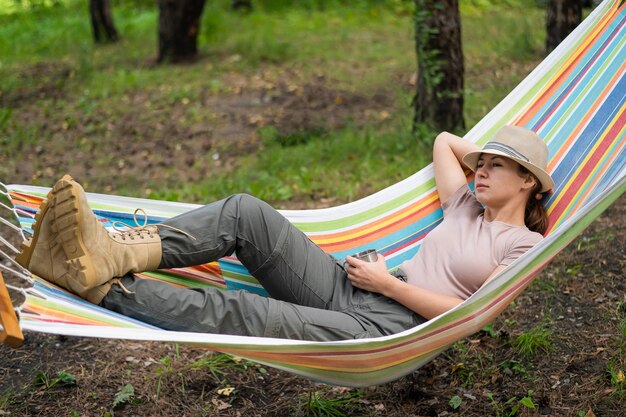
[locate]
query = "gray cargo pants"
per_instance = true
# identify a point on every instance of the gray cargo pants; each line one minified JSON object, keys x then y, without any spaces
{"x":310,"y":295}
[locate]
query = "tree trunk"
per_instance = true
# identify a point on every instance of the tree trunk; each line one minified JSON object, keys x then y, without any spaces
{"x":439,"y":97}
{"x":102,"y":21}
{"x":562,"y":18}
{"x":245,"y":5}
{"x":179,"y":25}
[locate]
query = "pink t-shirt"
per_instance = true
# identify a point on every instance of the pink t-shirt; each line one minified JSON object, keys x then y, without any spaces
{"x":460,"y":253}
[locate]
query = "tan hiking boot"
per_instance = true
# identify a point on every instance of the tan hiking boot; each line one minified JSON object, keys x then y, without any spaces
{"x":44,"y":256}
{"x":95,"y":255}
{"x":95,"y":295}
{"x":41,"y":254}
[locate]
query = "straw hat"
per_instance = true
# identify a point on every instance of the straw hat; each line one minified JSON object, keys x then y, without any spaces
{"x":521,"y":145}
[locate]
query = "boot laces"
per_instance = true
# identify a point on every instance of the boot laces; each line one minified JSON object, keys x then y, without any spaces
{"x":141,"y":230}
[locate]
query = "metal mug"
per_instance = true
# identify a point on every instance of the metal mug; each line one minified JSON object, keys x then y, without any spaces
{"x":368,"y":255}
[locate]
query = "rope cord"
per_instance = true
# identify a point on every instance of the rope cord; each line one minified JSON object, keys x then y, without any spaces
{"x":5,"y":192}
{"x":7,"y":261}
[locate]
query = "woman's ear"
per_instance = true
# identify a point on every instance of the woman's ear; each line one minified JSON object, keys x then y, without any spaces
{"x":530,"y":181}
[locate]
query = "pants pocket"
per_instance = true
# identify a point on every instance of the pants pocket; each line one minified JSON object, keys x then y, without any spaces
{"x":313,"y":331}
{"x":386,"y":314}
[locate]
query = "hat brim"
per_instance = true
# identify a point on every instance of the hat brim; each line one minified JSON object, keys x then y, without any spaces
{"x":471,"y":160}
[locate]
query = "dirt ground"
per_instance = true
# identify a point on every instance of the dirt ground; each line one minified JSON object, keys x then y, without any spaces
{"x":162,"y":137}
{"x":580,"y":299}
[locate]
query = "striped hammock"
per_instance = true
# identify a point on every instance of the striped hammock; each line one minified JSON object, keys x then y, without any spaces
{"x":575,"y":99}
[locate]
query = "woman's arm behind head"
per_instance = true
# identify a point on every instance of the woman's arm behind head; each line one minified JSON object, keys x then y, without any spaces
{"x":448,"y":152}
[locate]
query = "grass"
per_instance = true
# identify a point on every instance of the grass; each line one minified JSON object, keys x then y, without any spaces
{"x":218,"y":364}
{"x":618,"y":381}
{"x":512,"y":406}
{"x":359,"y":47}
{"x":62,"y":378}
{"x":282,"y":172}
{"x":319,"y":404}
{"x":534,"y":341}
{"x":6,"y":399}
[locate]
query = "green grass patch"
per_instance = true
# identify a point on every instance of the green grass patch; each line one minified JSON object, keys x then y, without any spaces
{"x":322,"y":404}
{"x":351,"y":160}
{"x":533,"y":342}
{"x":51,"y":68}
{"x":62,"y":378}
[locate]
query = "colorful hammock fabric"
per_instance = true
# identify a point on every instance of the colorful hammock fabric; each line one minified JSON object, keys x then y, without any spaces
{"x":575,"y":99}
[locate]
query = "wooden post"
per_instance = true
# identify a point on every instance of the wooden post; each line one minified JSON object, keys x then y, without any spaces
{"x":11,"y":333}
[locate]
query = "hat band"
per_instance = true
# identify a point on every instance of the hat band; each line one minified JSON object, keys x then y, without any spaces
{"x":497,"y":146}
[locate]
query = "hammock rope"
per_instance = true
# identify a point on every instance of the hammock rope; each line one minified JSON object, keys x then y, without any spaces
{"x":10,"y":333}
{"x":575,"y":99}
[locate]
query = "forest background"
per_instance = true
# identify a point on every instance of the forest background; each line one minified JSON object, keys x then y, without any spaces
{"x":304,"y":104}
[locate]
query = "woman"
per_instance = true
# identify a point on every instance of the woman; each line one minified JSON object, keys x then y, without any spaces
{"x":312,"y":296}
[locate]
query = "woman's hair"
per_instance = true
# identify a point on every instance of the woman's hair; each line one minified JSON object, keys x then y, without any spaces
{"x":535,"y":215}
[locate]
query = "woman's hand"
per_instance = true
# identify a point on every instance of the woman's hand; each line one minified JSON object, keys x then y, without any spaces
{"x":369,"y":276}
{"x":374,"y":277}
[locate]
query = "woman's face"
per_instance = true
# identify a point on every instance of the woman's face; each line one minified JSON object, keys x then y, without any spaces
{"x":498,"y":180}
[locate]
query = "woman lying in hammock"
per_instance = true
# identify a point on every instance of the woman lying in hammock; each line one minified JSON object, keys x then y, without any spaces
{"x":312,"y":296}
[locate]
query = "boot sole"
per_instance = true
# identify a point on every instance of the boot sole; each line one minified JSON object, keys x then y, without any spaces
{"x":69,"y":233}
{"x":28,"y":247}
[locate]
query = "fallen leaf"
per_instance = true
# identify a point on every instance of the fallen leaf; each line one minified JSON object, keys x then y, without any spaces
{"x":590,"y":413}
{"x":458,"y":366}
{"x":221,"y":405}
{"x":225,"y":391}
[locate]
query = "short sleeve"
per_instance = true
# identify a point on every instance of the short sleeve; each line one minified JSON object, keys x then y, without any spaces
{"x":463,"y":197}
{"x":521,"y":246}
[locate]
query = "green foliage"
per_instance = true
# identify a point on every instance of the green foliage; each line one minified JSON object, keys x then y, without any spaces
{"x":588,"y":243}
{"x":10,"y":7}
{"x":5,"y":116}
{"x":319,"y":405}
{"x":429,"y":62}
{"x":621,"y":324}
{"x":516,"y":369}
{"x":455,"y":402}
{"x":124,"y":395}
{"x":615,"y":369}
{"x":270,"y":136}
{"x":51,"y":51}
{"x":175,"y":369}
{"x":320,"y":166}
{"x":491,"y":331}
{"x":512,"y":406}
{"x":217,"y":364}
{"x":163,"y":372}
{"x":545,"y":284}
{"x":470,"y":364}
{"x":534,"y":341}
{"x":7,"y":398}
{"x":485,"y":5}
{"x":464,"y":374}
{"x":61,"y":378}
{"x":323,"y":5}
